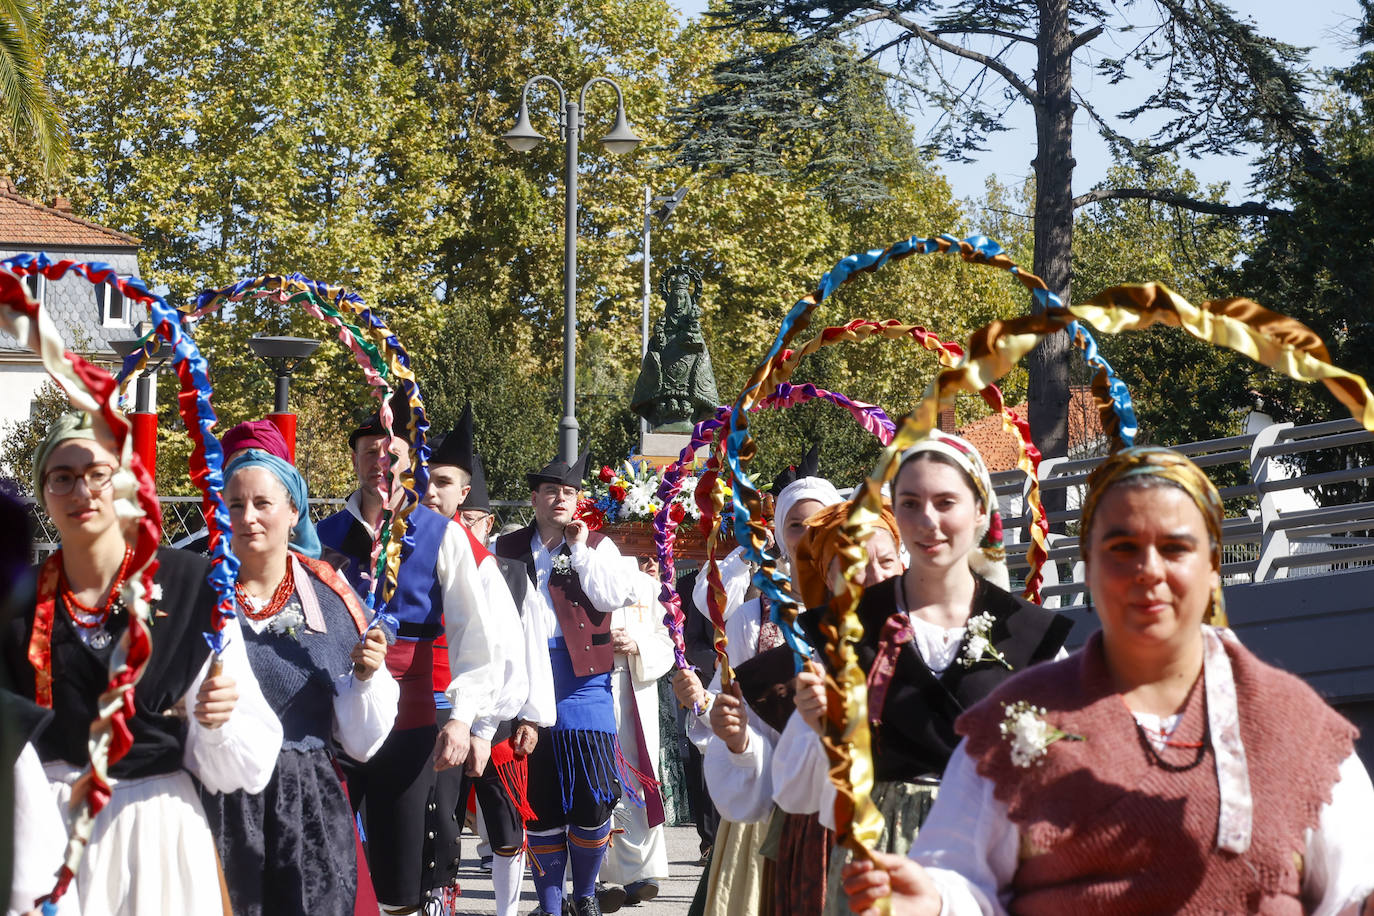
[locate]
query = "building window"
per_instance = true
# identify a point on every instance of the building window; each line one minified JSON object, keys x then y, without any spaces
{"x":36,"y":284}
{"x":114,"y":310}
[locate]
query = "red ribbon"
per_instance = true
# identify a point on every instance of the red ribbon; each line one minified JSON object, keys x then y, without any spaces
{"x":896,"y":631}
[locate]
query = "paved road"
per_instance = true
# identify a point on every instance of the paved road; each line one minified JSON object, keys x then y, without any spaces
{"x":675,"y":894}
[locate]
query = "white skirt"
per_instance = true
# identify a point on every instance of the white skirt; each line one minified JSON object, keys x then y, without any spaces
{"x":151,"y":851}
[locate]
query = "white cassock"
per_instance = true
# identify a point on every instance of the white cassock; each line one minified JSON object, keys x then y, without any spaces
{"x":640,"y":852}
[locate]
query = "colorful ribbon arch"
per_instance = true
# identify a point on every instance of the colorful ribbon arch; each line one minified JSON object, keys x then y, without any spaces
{"x":94,"y":391}
{"x":386,"y":365}
{"x":206,"y":460}
{"x":847,"y":738}
{"x":869,"y":416}
{"x":1267,"y":337}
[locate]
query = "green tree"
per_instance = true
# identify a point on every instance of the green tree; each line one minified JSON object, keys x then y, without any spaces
{"x":32,"y":119}
{"x":1219,"y":84}
{"x":1124,"y":241}
{"x":1314,"y":264}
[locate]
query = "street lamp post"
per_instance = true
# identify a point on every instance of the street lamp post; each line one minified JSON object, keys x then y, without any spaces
{"x":144,"y":416}
{"x":523,"y":138}
{"x":284,"y":355}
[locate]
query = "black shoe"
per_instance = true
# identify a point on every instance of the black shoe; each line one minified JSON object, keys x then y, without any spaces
{"x":588,"y":906}
{"x":609,"y":897}
{"x":705,"y":859}
{"x":637,"y":892}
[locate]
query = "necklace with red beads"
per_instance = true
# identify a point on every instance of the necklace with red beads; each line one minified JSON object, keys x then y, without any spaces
{"x":280,"y":596}
{"x":94,"y":618}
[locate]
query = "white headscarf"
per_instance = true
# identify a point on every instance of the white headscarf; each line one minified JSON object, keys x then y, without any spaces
{"x":817,"y":488}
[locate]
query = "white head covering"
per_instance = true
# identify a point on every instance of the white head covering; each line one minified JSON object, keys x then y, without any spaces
{"x":988,"y":558}
{"x":817,"y":488}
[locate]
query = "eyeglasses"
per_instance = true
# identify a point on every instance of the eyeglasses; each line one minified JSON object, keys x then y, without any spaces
{"x":60,"y":482}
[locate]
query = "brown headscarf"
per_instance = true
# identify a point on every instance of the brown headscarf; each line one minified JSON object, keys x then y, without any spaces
{"x":820,"y":545}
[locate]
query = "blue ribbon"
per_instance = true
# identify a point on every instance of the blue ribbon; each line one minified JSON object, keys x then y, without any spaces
{"x":166,"y":321}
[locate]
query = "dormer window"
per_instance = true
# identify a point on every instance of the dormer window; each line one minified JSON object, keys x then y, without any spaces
{"x":36,"y":284}
{"x":114,"y":310}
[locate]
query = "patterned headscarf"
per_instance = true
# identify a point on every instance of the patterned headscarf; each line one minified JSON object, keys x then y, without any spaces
{"x":988,"y":559}
{"x":820,"y":545}
{"x":80,"y":425}
{"x":304,"y":538}
{"x":1153,"y":461}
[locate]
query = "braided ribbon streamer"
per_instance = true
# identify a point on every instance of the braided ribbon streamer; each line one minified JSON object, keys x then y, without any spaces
{"x":869,"y":416}
{"x":206,"y":462}
{"x":1267,"y":337}
{"x":385,"y":364}
{"x":847,"y":739}
{"x":94,"y":391}
{"x":1027,"y":455}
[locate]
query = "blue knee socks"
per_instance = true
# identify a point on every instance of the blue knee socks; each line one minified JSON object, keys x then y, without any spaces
{"x":586,"y":848}
{"x":550,"y":855}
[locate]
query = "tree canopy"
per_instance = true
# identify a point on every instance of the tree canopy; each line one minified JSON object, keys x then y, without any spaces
{"x":1214,"y":84}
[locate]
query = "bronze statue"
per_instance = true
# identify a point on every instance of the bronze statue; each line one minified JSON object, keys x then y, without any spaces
{"x":676,"y":387}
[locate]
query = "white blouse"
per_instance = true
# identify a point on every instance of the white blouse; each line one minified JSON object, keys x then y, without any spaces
{"x":740,"y":784}
{"x":241,"y":753}
{"x":800,"y":771}
{"x":971,"y":848}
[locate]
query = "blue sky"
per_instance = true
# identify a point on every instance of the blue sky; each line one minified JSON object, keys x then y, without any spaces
{"x":1323,"y":25}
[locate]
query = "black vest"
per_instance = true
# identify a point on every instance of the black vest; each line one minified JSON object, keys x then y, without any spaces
{"x":80,"y":672}
{"x":916,"y":734}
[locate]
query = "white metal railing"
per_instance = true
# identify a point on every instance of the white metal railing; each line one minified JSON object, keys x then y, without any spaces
{"x":1266,"y":538}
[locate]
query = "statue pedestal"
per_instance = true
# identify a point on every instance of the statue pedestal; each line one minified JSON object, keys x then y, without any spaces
{"x":662,"y":449}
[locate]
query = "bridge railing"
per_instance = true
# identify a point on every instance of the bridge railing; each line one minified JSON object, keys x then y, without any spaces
{"x":1271,"y":530}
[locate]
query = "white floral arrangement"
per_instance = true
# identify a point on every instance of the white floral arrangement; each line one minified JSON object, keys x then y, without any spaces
{"x":562,"y":564}
{"x":1030,"y":735}
{"x":978,"y":643}
{"x":288,"y":621}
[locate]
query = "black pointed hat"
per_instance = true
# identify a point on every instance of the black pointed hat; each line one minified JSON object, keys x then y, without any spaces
{"x":456,"y":447}
{"x":560,"y":472}
{"x":372,"y":426}
{"x":810,"y":466}
{"x":478,"y":497}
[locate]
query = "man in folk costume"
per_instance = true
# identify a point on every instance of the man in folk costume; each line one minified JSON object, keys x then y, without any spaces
{"x":638,"y":860}
{"x":575,"y":768}
{"x":525,"y":703}
{"x":438,"y":591}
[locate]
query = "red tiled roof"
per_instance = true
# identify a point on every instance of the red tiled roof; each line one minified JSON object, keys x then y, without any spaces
{"x":28,"y":224}
{"x":998,"y":447}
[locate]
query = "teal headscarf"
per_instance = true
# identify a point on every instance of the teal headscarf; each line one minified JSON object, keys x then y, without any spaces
{"x":304,"y":540}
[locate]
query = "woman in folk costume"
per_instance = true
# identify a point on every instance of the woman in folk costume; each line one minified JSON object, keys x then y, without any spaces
{"x":798,"y":842}
{"x":58,"y":653}
{"x":936,"y":641}
{"x":638,"y":859}
{"x":291,"y":849}
{"x":736,"y":572}
{"x":1162,"y":768}
{"x":739,"y":879}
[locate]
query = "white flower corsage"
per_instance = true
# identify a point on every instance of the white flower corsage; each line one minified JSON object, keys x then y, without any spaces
{"x":978,"y":645}
{"x":1030,"y":735}
{"x":288,"y":620}
{"x":562,"y":564}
